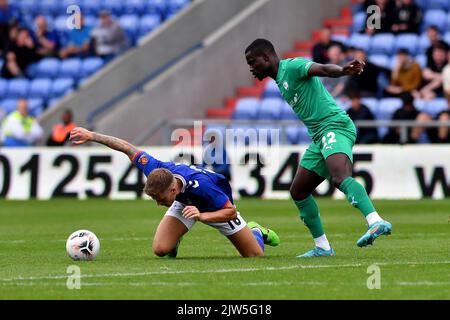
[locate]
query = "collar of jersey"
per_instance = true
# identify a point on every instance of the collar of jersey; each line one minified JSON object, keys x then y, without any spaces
{"x":281,"y":68}
{"x":183,"y":181}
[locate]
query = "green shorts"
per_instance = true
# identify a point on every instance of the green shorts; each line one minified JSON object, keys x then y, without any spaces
{"x":333,"y":141}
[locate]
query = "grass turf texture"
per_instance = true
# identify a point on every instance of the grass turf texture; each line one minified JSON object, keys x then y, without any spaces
{"x":414,"y":261}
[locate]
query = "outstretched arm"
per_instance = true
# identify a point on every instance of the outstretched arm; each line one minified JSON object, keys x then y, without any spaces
{"x":81,"y":135}
{"x":354,"y":67}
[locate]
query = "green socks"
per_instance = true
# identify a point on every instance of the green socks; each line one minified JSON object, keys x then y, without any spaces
{"x":357,"y":196}
{"x":309,"y":214}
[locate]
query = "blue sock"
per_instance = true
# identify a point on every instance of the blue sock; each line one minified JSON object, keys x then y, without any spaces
{"x":259,"y":237}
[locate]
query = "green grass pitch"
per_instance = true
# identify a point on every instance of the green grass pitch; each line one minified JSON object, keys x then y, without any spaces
{"x":414,"y":261}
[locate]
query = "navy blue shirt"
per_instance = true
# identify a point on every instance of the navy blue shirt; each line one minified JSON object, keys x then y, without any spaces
{"x":204,"y":189}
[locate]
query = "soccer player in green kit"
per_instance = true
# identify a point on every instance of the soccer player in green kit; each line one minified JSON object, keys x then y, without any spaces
{"x":333,"y":135}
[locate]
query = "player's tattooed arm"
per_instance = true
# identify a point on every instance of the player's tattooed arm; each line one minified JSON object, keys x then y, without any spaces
{"x":81,"y":135}
{"x":354,"y":67}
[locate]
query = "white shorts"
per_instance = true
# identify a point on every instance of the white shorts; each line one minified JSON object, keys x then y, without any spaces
{"x":226,"y":228}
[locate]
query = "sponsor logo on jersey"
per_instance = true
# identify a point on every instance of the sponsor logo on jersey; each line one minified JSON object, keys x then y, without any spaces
{"x":286,"y":85}
{"x":143,"y":160}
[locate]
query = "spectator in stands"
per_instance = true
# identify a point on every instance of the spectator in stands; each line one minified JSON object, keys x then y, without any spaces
{"x":408,"y":17}
{"x":46,"y":41}
{"x":387,"y":17}
{"x":442,"y":134}
{"x":407,"y":112}
{"x":320,"y":49}
{"x":335,"y":86}
{"x":367,"y":82}
{"x":109,"y":38}
{"x":19,"y":129}
{"x":406,"y":75}
{"x":19,"y":55}
{"x":359,"y":111}
{"x":61,"y":131}
{"x":79,"y":44}
{"x":446,"y":77}
{"x":9,"y":17}
{"x":432,"y":75}
{"x":435,"y":41}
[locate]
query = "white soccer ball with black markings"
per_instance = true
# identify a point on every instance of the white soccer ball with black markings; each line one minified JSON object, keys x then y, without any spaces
{"x":83,"y":245}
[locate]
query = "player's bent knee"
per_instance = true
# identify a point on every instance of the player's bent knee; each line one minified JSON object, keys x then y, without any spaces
{"x":298,"y":195}
{"x":161,"y":250}
{"x":338,"y":179}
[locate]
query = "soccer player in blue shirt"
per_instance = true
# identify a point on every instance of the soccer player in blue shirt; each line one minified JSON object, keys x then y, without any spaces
{"x":192,"y":194}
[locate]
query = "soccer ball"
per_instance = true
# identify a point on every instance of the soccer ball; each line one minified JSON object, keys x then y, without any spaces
{"x":82,"y":245}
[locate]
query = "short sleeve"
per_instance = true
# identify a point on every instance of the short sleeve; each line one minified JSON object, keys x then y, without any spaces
{"x":145,"y":162}
{"x":302,"y":67}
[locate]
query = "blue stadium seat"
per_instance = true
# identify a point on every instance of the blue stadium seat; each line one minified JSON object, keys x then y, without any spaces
{"x":176,"y":5}
{"x":270,"y":109}
{"x":371,"y":103}
{"x":437,"y":18}
{"x":3,"y":88}
{"x":297,"y":135}
{"x":292,"y":134}
{"x":156,"y":6}
{"x":382,"y":43}
{"x":49,"y":7}
{"x":148,"y":23}
{"x":29,"y":7}
{"x":9,"y":105}
{"x":359,"y":22}
{"x":436,"y":106}
{"x":420,"y":104}
{"x":387,"y":107}
{"x":52,"y":102}
{"x":421,"y":59}
{"x":271,"y":90}
{"x":340,"y":38}
{"x":246,"y":109}
{"x":408,"y":41}
{"x":287,"y":113}
{"x":91,"y":65}
{"x":90,"y":7}
{"x":130,"y":23}
{"x":380,"y":60}
{"x":60,"y":24}
{"x":116,"y":7}
{"x":61,"y":86}
{"x":361,"y":41}
{"x":70,"y":68}
{"x":47,"y":68}
{"x":424,"y":43}
{"x":40,"y":88}
{"x":438,"y":4}
{"x":135,"y":6}
{"x":18,"y":88}
{"x":35,"y":107}
{"x":90,"y":21}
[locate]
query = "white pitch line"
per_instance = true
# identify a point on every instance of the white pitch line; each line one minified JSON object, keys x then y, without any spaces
{"x":137,"y":274}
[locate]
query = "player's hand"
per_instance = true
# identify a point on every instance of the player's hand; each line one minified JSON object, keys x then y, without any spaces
{"x":355,"y":67}
{"x":80,"y":135}
{"x":191,"y":212}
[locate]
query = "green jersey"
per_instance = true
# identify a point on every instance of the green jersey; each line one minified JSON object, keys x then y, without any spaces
{"x":312,"y":103}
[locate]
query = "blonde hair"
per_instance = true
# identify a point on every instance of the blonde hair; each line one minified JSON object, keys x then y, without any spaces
{"x":158,"y":181}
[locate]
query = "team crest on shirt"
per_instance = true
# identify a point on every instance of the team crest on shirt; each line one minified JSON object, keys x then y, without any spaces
{"x":286,"y":85}
{"x":143,"y":160}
